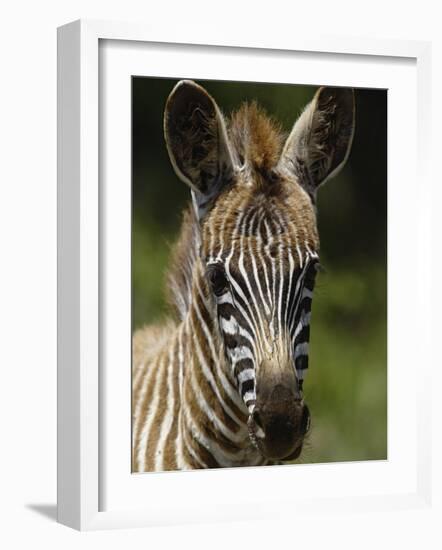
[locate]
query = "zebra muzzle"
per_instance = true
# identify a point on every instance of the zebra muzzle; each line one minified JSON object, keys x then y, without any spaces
{"x":279,"y":422}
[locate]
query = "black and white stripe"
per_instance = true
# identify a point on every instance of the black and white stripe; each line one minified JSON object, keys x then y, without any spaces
{"x":267,"y":301}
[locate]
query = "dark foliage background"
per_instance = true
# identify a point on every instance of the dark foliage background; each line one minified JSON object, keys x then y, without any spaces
{"x":346,"y":387}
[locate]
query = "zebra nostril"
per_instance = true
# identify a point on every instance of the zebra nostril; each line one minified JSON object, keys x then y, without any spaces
{"x":257,"y":418}
{"x":259,"y":430}
{"x":305,"y":420}
{"x":298,"y":396}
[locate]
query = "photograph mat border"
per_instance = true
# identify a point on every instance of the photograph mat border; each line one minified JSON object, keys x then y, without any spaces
{"x":78,"y":268}
{"x":119,"y":61}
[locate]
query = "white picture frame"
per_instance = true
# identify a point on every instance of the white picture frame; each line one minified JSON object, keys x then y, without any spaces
{"x":81,"y":471}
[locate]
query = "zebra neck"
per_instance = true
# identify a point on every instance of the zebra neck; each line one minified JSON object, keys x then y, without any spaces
{"x":213,"y":421}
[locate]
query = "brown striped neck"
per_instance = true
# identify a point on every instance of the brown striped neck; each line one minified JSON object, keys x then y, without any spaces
{"x":214,"y":417}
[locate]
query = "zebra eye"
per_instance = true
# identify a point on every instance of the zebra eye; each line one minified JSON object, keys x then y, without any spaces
{"x":312,"y":271}
{"x":218,"y":280}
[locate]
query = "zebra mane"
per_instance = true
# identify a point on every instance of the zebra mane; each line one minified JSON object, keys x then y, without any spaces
{"x":184,"y":254}
{"x":256,"y":138}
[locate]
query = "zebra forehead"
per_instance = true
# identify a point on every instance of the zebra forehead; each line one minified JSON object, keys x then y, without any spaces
{"x":244,"y":203}
{"x":259,"y":225}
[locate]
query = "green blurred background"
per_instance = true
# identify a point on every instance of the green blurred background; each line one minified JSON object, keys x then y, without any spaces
{"x":346,"y":385}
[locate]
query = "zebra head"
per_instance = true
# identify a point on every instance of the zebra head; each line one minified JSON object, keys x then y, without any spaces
{"x":254,"y":196}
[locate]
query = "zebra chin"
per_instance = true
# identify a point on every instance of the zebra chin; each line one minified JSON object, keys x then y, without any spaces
{"x":280,"y":442}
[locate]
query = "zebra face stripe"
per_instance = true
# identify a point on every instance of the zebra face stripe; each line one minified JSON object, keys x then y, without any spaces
{"x":263,"y":305}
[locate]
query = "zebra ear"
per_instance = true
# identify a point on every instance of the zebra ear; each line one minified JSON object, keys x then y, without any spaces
{"x":320,"y":141}
{"x":197,"y":142}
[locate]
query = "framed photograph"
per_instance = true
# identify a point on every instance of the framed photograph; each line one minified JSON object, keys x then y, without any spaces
{"x":234,"y":221}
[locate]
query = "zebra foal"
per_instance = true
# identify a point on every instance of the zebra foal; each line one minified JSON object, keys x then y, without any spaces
{"x":222,"y":385}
